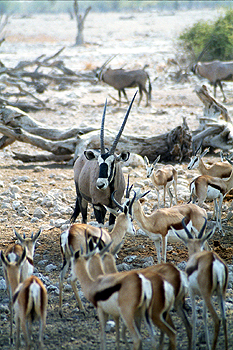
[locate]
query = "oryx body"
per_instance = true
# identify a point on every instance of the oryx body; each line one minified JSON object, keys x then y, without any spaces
{"x":97,"y":175}
{"x":215,"y":72}
{"x":121,"y":79}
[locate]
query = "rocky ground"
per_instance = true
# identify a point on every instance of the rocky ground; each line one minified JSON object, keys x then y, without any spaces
{"x":43,"y":194}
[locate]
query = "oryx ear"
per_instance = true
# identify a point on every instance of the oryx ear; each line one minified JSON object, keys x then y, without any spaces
{"x":123,"y":157}
{"x":91,"y":154}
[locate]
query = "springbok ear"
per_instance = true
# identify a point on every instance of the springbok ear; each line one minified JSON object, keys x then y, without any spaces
{"x":123,"y":157}
{"x":209,"y":234}
{"x":18,"y":235}
{"x":91,"y":154}
{"x":4,"y":260}
{"x":156,"y":160}
{"x":112,"y":211}
{"x":183,"y":239}
{"x":146,"y":160}
{"x":205,"y":152}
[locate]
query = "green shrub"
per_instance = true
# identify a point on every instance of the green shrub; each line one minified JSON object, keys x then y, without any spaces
{"x":218,"y":35}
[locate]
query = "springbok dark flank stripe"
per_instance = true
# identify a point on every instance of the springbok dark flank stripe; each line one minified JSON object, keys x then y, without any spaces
{"x":106,"y":293}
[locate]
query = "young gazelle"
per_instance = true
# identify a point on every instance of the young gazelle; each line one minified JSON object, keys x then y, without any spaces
{"x":207,"y":274}
{"x":128,"y":295}
{"x":158,"y":224}
{"x":219,"y":169}
{"x":30,"y":303}
{"x":29,"y":244}
{"x":162,"y":178}
{"x":75,"y":237}
{"x":212,"y":188}
{"x":12,"y":265}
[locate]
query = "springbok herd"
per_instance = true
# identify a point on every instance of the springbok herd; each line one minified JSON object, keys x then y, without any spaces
{"x":148,"y":294}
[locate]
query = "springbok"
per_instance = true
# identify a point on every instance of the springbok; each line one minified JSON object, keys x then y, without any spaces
{"x":12,"y":265}
{"x":30,"y":303}
{"x":158,"y":224}
{"x":128,"y":295}
{"x":168,"y":272}
{"x":98,"y":175}
{"x":207,"y":275}
{"x":75,"y":237}
{"x":218,"y":169}
{"x":121,"y":79}
{"x":162,"y":178}
{"x":215,"y":72}
{"x":29,"y":244}
{"x":212,"y":188}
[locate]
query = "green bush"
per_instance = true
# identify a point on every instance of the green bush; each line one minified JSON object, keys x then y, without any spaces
{"x":216,"y":37}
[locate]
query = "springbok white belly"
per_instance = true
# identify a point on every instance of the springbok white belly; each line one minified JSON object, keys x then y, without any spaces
{"x":111,"y":305}
{"x":212,"y":193}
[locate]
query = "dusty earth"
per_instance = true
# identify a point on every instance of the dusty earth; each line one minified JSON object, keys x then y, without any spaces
{"x":138,"y":39}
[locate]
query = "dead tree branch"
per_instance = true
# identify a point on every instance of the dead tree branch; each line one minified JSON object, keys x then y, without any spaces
{"x":215,"y":129}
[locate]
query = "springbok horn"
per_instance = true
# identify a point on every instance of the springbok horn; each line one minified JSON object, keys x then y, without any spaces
{"x":105,"y":249}
{"x":186,"y":229}
{"x":37,"y":234}
{"x":112,"y":150}
{"x":102,"y":148}
{"x":115,"y":201}
{"x":22,"y":257}
{"x":128,"y":189}
{"x":131,"y":203}
{"x":198,"y":147}
{"x":202,"y":229}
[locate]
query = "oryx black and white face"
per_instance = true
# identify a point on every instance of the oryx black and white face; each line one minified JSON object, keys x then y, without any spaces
{"x":107,"y":166}
{"x":98,"y":173}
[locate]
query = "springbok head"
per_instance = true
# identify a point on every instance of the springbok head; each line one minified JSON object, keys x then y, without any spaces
{"x":195,"y":243}
{"x":150,"y":167}
{"x":107,"y":159}
{"x":194,"y":162}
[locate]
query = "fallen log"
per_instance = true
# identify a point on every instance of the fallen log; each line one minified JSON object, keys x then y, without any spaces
{"x":215,"y":129}
{"x":26,"y":158}
{"x":174,"y":146}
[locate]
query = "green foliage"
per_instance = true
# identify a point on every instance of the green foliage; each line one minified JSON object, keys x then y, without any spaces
{"x":216,"y":37}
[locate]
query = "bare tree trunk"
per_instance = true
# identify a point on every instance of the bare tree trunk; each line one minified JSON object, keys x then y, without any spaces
{"x":80,"y":23}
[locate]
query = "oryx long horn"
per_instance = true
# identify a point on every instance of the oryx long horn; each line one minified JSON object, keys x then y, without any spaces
{"x":106,"y":62}
{"x":186,"y":229}
{"x":115,"y":201}
{"x":203,"y":51}
{"x":202,"y":229}
{"x":102,"y":148}
{"x":112,"y":150}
